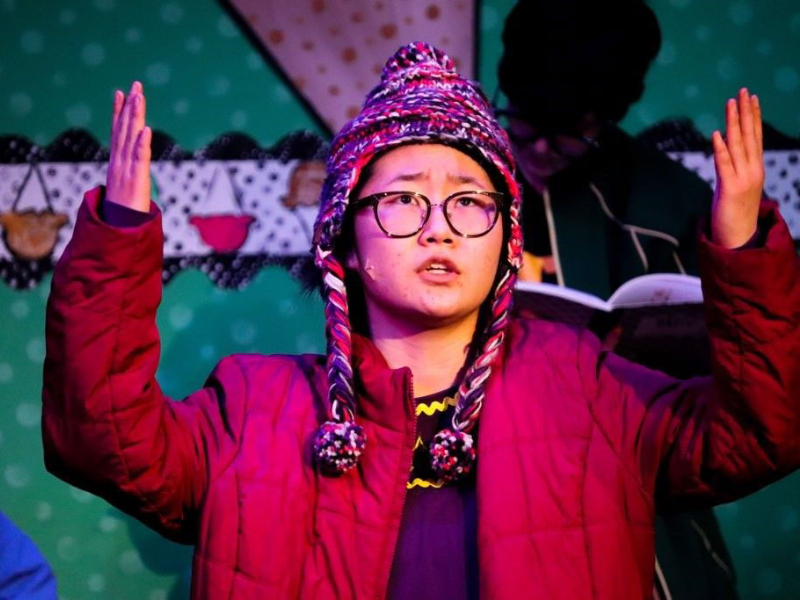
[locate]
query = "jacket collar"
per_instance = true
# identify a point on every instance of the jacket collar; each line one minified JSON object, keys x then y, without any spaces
{"x":385,"y":396}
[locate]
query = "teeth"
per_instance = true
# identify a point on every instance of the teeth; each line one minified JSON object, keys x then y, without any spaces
{"x":437,"y":267}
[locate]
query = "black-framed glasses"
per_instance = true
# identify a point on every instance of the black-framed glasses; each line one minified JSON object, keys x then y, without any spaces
{"x":569,"y":144}
{"x":403,"y":214}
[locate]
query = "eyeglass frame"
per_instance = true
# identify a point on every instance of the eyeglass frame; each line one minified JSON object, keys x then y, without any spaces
{"x":374,"y":199}
{"x":552,"y":143}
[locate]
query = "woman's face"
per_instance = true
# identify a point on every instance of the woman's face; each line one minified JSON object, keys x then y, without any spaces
{"x":436,"y":277}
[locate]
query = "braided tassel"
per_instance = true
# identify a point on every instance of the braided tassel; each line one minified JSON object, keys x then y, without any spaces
{"x":339,"y":442}
{"x":453,"y":452}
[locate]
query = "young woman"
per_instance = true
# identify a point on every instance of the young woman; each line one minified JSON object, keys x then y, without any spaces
{"x":291,"y":473}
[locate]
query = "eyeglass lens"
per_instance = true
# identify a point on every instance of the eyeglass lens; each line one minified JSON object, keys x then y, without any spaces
{"x":468,"y":214}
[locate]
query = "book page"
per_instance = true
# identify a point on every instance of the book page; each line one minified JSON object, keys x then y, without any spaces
{"x":658,"y":289}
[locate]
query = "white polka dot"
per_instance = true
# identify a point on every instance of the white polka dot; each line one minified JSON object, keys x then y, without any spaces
{"x":133,"y":34}
{"x":181,"y":106}
{"x":667,"y":54}
{"x":172,"y":13}
{"x":226,"y":27}
{"x":691,"y":91}
{"x":35,"y":350}
{"x":6,"y":373}
{"x":287,"y":307}
{"x":180,"y":317}
{"x":80,"y":496}
{"x":20,"y":309}
{"x":702,"y":33}
{"x":79,"y":115}
{"x":786,"y":79}
{"x":29,"y":414}
{"x":67,"y":16}
{"x":748,"y":542}
{"x":44,"y":511}
{"x":489,"y":18}
{"x":207,"y":351}
{"x":238,"y":119}
{"x":243,"y":332}
{"x":727,"y":68}
{"x":105,"y":5}
{"x":157,"y":73}
{"x":109,"y":524}
{"x":219,"y":86}
{"x":96,"y":582}
{"x":158,"y":595}
{"x":194,"y":44}
{"x":32,"y":41}
{"x":706,"y":123}
{"x":130,"y":563}
{"x":764,"y":47}
{"x":740,"y":13}
{"x":68,"y":549}
{"x":254,"y":61}
{"x":727,"y":510}
{"x":281,"y":94}
{"x":769,"y":581}
{"x":20,"y":104}
{"x":794,"y":24}
{"x":306,"y":344}
{"x":17,"y":476}
{"x":93,"y":54}
{"x":59,"y":79}
{"x":788,"y":518}
{"x":644,"y":114}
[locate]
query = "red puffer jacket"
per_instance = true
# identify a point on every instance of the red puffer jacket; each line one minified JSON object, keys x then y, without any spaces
{"x":575,"y":446}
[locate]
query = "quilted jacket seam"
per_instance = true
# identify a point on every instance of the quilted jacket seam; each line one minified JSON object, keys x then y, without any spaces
{"x":240,"y":432}
{"x":621,"y":462}
{"x":115,"y":424}
{"x":583,"y":515}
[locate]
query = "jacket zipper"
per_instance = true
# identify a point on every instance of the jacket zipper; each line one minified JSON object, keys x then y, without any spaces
{"x":409,"y":396}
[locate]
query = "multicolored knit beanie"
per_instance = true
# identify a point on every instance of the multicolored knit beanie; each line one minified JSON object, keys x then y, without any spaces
{"x":420,"y":99}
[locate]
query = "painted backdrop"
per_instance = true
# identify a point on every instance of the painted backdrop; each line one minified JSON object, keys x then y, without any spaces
{"x":59,"y":63}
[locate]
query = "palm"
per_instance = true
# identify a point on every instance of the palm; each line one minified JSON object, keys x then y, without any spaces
{"x":128,"y":177}
{"x":739,"y":162}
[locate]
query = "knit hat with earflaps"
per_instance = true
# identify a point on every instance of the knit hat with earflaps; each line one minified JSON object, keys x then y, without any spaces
{"x":420,"y":99}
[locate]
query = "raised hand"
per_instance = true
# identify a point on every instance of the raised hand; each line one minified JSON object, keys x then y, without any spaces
{"x":739,"y":161}
{"x":128,"y":177}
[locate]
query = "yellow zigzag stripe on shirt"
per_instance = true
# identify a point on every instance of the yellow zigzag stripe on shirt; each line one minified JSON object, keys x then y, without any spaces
{"x":417,"y":482}
{"x":433,"y":407}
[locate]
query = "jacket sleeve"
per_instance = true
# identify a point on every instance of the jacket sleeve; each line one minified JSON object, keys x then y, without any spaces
{"x":106,"y":425}
{"x":713,"y":439}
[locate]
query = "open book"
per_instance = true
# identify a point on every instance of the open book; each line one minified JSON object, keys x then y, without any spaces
{"x":656,"y":320}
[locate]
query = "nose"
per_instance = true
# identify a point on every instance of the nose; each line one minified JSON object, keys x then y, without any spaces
{"x":437,"y":229}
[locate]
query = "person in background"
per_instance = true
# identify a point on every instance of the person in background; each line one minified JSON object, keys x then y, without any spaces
{"x":24,"y":572}
{"x":600,"y":208}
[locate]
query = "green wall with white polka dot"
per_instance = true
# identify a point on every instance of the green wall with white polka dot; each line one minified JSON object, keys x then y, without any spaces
{"x":59,"y":64}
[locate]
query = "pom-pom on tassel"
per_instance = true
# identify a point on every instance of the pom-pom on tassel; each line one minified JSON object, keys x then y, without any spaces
{"x":337,"y":446}
{"x":452,"y":454}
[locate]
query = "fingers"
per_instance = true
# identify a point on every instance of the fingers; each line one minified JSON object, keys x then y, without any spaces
{"x":758,"y":126}
{"x":119,"y":100}
{"x":733,"y":131}
{"x":723,"y":163}
{"x":141,"y":156}
{"x":748,"y":129}
{"x":135,"y":118}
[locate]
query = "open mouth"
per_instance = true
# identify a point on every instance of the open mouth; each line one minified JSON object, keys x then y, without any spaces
{"x":438,"y":266}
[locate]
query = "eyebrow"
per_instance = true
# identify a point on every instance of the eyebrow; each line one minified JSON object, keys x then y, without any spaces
{"x":421,"y":175}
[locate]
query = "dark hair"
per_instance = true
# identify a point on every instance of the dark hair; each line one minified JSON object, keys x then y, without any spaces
{"x":564,"y":60}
